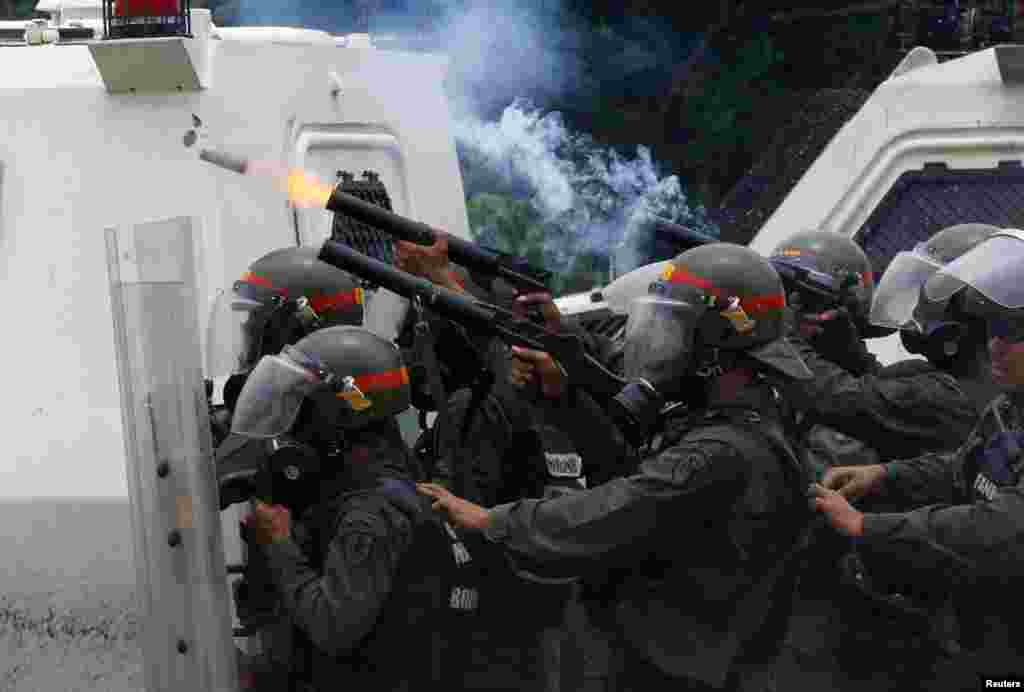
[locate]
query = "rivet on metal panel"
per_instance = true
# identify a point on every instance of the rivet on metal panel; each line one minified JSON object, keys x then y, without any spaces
{"x":174,"y":538}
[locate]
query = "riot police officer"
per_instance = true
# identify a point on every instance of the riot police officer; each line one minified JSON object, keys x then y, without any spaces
{"x":856,"y":412}
{"x":708,"y":528}
{"x":494,"y":444}
{"x":903,"y":409}
{"x":966,"y":529}
{"x":949,"y":338}
{"x":282,"y":297}
{"x":362,"y":572}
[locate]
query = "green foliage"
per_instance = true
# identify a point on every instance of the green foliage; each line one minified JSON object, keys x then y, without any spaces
{"x":23,"y":9}
{"x":507,"y":224}
{"x":511,"y":225}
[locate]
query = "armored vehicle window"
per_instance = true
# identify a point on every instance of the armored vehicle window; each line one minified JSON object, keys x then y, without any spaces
{"x":925,"y":201}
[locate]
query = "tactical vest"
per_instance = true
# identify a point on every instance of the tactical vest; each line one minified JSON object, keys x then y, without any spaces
{"x":995,"y":458}
{"x":694,"y":619}
{"x":433,"y":605}
{"x":564,"y":469}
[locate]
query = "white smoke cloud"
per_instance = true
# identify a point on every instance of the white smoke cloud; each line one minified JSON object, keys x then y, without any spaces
{"x":596,"y":197}
{"x":506,"y":55}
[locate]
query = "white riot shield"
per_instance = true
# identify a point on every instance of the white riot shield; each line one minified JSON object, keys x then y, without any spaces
{"x":182,"y":586}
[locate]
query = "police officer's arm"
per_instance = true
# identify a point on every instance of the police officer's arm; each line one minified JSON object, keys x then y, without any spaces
{"x":901,"y":416}
{"x":674,"y":492}
{"x":981,"y":537}
{"x":338,"y":608}
{"x":934,"y":478}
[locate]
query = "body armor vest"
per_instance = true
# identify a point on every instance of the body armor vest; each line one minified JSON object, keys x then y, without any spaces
{"x":711,"y":604}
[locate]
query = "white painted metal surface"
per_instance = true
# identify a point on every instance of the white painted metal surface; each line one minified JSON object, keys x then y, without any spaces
{"x":963,"y":113}
{"x":77,"y":159}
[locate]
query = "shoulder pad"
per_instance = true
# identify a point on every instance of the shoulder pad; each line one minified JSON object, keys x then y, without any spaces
{"x":907,"y":368}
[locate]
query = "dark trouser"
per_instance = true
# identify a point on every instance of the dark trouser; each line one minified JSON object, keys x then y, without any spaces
{"x":630,"y":671}
{"x":586,"y":654}
{"x":838,"y":639}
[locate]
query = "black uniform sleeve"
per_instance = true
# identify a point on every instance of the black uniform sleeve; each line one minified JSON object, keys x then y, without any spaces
{"x":901,"y":416}
{"x":670,"y":491}
{"x":337,"y":608}
{"x":932,"y":478}
{"x":983,"y":538}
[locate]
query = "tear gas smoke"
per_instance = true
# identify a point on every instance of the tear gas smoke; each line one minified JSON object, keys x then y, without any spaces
{"x":506,"y":56}
{"x":591,"y":199}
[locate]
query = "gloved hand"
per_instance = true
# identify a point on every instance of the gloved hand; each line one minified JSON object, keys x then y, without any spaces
{"x":834,"y":335}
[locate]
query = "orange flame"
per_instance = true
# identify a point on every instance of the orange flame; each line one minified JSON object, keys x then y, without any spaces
{"x":306,"y":191}
{"x":303,"y":190}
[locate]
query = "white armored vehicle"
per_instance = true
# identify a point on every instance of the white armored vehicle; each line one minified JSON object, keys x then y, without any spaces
{"x":107,"y":218}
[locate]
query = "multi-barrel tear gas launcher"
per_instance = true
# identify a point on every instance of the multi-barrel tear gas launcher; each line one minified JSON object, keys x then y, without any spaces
{"x":513,"y":270}
{"x":629,"y":403}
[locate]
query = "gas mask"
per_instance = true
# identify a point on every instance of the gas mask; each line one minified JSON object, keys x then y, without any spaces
{"x":938,"y":341}
{"x":281,"y":470}
{"x":658,"y":357}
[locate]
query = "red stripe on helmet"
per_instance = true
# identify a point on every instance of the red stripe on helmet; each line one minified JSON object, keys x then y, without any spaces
{"x":263,"y":282}
{"x":751,"y":304}
{"x":868,"y":278}
{"x":681,"y":276}
{"x":756,"y":304}
{"x":341,"y":299}
{"x":389,"y":379}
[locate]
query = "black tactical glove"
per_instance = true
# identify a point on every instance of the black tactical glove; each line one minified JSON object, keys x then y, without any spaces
{"x":834,"y":335}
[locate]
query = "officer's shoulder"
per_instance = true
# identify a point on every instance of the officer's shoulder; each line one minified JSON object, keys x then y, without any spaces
{"x":717,"y":442}
{"x":377,"y":512}
{"x":917,"y":371}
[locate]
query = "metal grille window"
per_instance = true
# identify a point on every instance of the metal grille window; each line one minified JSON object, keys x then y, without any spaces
{"x":925,"y":201}
{"x":357,"y":235}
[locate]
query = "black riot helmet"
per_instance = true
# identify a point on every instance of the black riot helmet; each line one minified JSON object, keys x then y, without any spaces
{"x":347,"y":376}
{"x":942,"y":331}
{"x":711,"y":304}
{"x":822,"y":270}
{"x":986,"y":280}
{"x":283,"y":296}
{"x":305,"y":405}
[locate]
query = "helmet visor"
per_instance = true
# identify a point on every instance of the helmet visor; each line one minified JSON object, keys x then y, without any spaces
{"x":900,"y":289}
{"x":994,"y":268}
{"x":802,"y":272}
{"x":272,"y":395}
{"x":233,"y":337}
{"x":660,"y":340}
